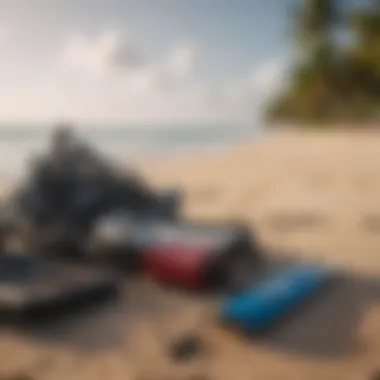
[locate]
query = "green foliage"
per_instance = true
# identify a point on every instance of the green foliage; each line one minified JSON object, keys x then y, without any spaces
{"x":332,"y":82}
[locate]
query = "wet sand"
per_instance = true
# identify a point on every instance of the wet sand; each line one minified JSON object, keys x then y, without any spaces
{"x":306,"y":196}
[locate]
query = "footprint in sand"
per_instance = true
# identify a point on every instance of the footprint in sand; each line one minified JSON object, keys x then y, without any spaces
{"x":318,"y":181}
{"x":285,"y":222}
{"x":371,"y":223}
{"x":247,"y":201}
{"x":206,"y":194}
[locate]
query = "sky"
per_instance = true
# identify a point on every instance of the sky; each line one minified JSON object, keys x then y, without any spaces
{"x":141,"y":61}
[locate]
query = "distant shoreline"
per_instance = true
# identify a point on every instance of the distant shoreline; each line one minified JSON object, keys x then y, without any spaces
{"x":123,"y":144}
{"x":329,"y":126}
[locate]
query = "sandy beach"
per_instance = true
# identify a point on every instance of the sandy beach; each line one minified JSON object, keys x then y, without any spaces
{"x":314,"y":196}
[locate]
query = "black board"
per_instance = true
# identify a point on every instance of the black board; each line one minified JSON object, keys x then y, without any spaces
{"x":34,"y":288}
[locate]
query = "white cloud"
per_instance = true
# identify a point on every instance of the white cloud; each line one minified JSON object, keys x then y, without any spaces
{"x":269,"y":77}
{"x":182,"y":60}
{"x":4,"y":35}
{"x":107,"y":77}
{"x":125,"y":55}
{"x":100,"y":54}
{"x":256,"y":86}
{"x":151,"y":92}
{"x":146,"y":80}
{"x":111,"y":54}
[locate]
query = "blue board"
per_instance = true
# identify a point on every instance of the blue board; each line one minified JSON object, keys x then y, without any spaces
{"x":257,"y":307}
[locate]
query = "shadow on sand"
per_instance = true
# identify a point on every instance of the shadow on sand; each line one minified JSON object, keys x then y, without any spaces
{"x":326,"y":325}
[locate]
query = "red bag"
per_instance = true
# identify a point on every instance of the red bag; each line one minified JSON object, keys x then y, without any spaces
{"x":178,"y":264}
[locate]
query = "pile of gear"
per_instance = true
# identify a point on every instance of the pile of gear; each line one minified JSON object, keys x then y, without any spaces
{"x":69,"y":188}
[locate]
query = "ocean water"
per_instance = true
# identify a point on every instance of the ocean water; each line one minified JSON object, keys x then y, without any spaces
{"x":19,"y":142}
